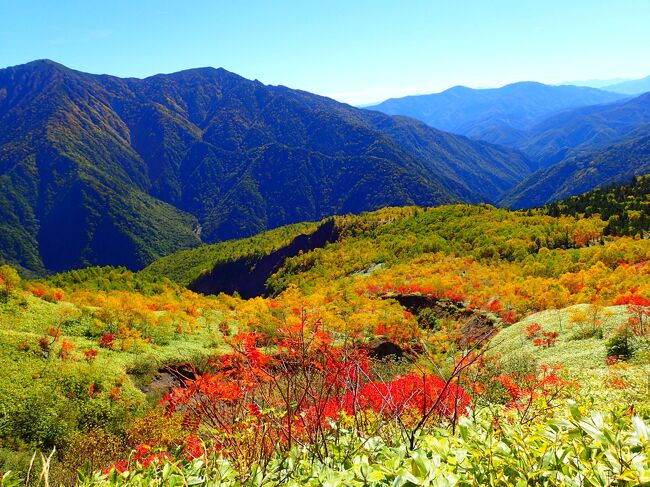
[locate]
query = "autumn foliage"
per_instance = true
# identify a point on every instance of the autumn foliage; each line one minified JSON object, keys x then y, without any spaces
{"x":292,"y":391}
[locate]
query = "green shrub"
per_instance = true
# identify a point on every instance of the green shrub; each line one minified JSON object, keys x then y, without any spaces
{"x":586,"y":332}
{"x":9,"y":282}
{"x":620,"y":344}
{"x":520,"y":364}
{"x":573,"y":449}
{"x":427,"y":318}
{"x":144,"y":370}
{"x":78,"y":326}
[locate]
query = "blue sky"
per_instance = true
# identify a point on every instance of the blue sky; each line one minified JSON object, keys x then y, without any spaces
{"x":357,"y":51}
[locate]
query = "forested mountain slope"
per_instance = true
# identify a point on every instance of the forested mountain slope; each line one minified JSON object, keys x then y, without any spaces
{"x":102,"y":170}
{"x":577,"y":174}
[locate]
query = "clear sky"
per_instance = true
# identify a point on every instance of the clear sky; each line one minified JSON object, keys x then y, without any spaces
{"x":357,"y":51}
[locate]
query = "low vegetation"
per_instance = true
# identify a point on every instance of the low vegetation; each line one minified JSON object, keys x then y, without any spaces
{"x":461,"y":345}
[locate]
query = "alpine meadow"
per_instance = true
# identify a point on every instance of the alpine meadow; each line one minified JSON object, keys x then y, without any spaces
{"x":211,"y":280}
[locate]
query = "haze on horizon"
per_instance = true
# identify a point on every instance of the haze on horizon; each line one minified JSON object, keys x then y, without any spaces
{"x":357,"y":53}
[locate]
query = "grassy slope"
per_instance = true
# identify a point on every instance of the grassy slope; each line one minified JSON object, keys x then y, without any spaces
{"x":582,"y":359}
{"x":28,"y":322}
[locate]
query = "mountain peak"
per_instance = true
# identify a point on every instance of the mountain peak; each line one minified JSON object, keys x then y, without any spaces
{"x":497,"y":115}
{"x":198,"y":75}
{"x":42,"y":65}
{"x":142,"y":164}
{"x":43,"y":62}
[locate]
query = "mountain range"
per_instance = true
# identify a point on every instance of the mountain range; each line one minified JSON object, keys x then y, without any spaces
{"x":624,"y":86}
{"x":582,"y":129}
{"x":574,"y":149}
{"x":96,"y":169}
{"x":631,"y":87}
{"x":583,"y":149}
{"x":578,"y":174}
{"x":101,"y":170}
{"x":497,"y":115}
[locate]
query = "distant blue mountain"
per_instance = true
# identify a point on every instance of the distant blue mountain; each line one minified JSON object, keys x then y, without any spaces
{"x":583,"y":149}
{"x":601,"y":84}
{"x":496,"y":115}
{"x":632,"y":87}
{"x":584,"y":172}
{"x":585,"y":129}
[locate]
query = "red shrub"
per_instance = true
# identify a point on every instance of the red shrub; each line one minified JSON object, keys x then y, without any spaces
{"x":509,"y":316}
{"x":193,"y":447}
{"x":307,"y":382}
{"x":66,"y":349}
{"x":38,"y":292}
{"x":548,"y":339}
{"x":145,"y":456}
{"x":392,"y":399}
{"x":107,"y":340}
{"x":639,"y":309}
{"x":193,"y":311}
{"x":121,"y":467}
{"x":116,"y":394}
{"x":633,"y":299}
{"x":45,"y":343}
{"x":495,"y":306}
{"x":523,"y":390}
{"x":533,"y":330}
{"x":91,"y":354}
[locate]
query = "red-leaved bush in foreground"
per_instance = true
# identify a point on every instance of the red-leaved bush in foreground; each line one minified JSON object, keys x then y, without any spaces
{"x":547,"y":385}
{"x":413,"y":392}
{"x":638,"y":308}
{"x":253,"y":402}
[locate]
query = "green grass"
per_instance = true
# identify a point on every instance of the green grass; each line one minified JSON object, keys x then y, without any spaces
{"x":35,"y":316}
{"x":573,"y":354}
{"x":584,"y":359}
{"x":45,"y":400}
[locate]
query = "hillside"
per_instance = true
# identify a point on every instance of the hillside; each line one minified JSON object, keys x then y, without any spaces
{"x":625,"y":207}
{"x":185,"y":266}
{"x":101,"y":170}
{"x":262,"y":264}
{"x":586,"y":129}
{"x":618,"y":163}
{"x":379,"y":239}
{"x":403,"y":319}
{"x":496,"y":115}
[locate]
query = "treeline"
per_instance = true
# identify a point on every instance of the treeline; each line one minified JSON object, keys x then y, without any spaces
{"x":108,"y":278}
{"x":185,"y":266}
{"x":624,"y":207}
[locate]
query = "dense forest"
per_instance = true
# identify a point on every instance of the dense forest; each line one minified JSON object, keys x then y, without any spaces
{"x":625,"y":207}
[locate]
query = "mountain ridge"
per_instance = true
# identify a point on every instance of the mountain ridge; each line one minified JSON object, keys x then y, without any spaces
{"x":632,"y":86}
{"x":585,"y":129}
{"x":474,"y":112}
{"x":203,"y":155}
{"x":584,"y":172}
